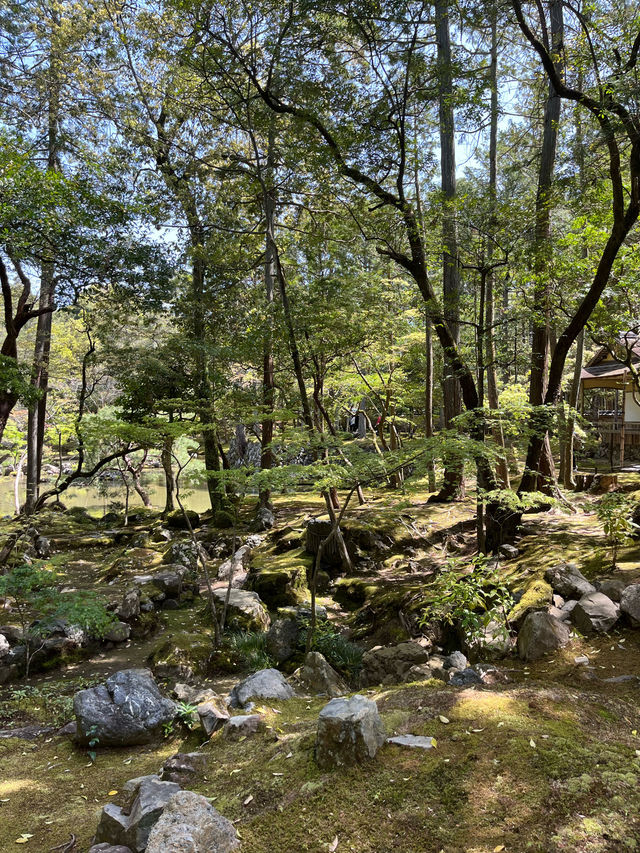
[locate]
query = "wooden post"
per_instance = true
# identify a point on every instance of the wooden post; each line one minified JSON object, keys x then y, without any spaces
{"x":624,"y":400}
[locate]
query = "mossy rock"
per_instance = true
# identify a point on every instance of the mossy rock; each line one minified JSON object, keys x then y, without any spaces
{"x":537,"y":596}
{"x":279,"y":587}
{"x":176,"y":519}
{"x":182,"y":655}
{"x":223,"y":519}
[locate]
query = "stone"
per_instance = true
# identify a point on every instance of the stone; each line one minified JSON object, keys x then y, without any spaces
{"x":391,"y":664}
{"x":212,"y":716}
{"x":595,"y":612}
{"x":118,"y":632}
{"x":183,"y":554}
{"x":129,"y":608}
{"x":176,"y":519}
{"x":190,"y":824}
{"x":11,"y":633}
{"x":237,"y":566}
{"x":183,"y":766}
{"x":581,"y":660}
{"x":612,"y":588}
{"x":456,"y":660}
{"x":421,"y":672}
{"x":127,"y":709}
{"x":278,"y":587}
{"x":4,"y":646}
{"x":318,"y":676}
{"x":537,"y":596}
{"x":109,"y":848}
{"x":245,"y":612}
{"x":264,"y":520}
{"x":557,"y":601}
{"x":567,"y":607}
{"x":630,"y":603}
{"x":509,"y":552}
{"x":412,"y":741}
{"x":465,"y":677}
{"x":541,"y":633}
{"x":282,"y":639}
{"x":264,"y":684}
{"x":243,"y":725}
{"x":43,"y":547}
{"x":130,"y":826}
{"x":567,"y":580}
{"x":193,"y":695}
{"x":350,"y":731}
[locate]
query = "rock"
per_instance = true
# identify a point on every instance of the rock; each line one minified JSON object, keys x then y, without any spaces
{"x":11,"y":633}
{"x":567,"y":608}
{"x":243,"y":725}
{"x":224,"y":519}
{"x":318,"y":676}
{"x":190,"y":824}
{"x":183,"y":554}
{"x":630,"y":603}
{"x":465,"y":677}
{"x":264,"y":684}
{"x":581,"y":660}
{"x":264,"y":520}
{"x":537,"y":596}
{"x":567,"y":580}
{"x":118,"y":632}
{"x":127,"y":709}
{"x":282,"y":639}
{"x":456,"y":660}
{"x":43,"y":547}
{"x":109,"y":848}
{"x":421,"y":672}
{"x":130,"y":827}
{"x":4,"y":646}
{"x":129,"y":609}
{"x":237,"y":565}
{"x":246,"y":612}
{"x":349,"y":731}
{"x":412,"y":741}
{"x":612,"y":588}
{"x":557,"y":601}
{"x":176,"y":519}
{"x":172,"y":581}
{"x":595,"y":612}
{"x":391,"y":664}
{"x":495,"y":638}
{"x":541,"y":633}
{"x":183,"y":766}
{"x":509,"y":552}
{"x":181,"y":655}
{"x":193,"y":695}
{"x":278,"y":587}
{"x":212,"y":716}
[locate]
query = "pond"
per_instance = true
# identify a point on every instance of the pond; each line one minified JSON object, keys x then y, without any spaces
{"x":98,"y":497}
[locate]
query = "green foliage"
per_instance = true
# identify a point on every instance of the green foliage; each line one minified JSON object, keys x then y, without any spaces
{"x":614,"y":513}
{"x":94,"y":740}
{"x":469,"y":594}
{"x":185,"y":714}
{"x":342,"y":654}
{"x":248,"y":649}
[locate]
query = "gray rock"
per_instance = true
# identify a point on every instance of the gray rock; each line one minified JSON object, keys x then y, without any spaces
{"x":43,"y":547}
{"x":213,"y":715}
{"x":421,"y":672}
{"x":612,"y":588}
{"x":193,"y":695}
{"x":264,"y":520}
{"x":567,"y":580}
{"x":541,"y":633}
{"x":118,"y":632}
{"x":456,"y":660}
{"x":567,"y":608}
{"x":349,"y":731}
{"x":127,"y":709}
{"x":237,"y":566}
{"x":243,"y":725}
{"x":131,"y":826}
{"x":129,"y":608}
{"x":412,"y":741}
{"x":109,"y":848}
{"x":509,"y":552}
{"x":465,"y":677}
{"x":4,"y":646}
{"x":630,"y":603}
{"x":557,"y":601}
{"x":282,"y":639}
{"x":183,"y":766}
{"x":264,"y":684}
{"x":595,"y":612}
{"x":182,"y":554}
{"x":391,"y":664}
{"x":246,"y":612}
{"x":190,"y":824}
{"x":318,"y":676}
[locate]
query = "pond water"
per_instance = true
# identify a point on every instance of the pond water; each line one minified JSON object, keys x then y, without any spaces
{"x":98,"y":497}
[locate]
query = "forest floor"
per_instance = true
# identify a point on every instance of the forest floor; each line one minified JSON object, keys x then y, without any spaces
{"x":545,"y":759}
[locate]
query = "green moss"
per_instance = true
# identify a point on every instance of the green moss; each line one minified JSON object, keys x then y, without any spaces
{"x":536,"y":596}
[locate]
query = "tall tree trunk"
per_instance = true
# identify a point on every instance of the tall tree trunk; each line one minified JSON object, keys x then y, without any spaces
{"x":542,"y":478}
{"x":166,"y":458}
{"x":453,"y":486}
{"x":502,"y":469}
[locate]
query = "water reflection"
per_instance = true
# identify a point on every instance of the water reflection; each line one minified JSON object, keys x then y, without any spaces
{"x":98,"y":497}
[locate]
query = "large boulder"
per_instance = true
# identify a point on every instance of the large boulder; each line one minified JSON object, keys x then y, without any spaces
{"x":4,"y":646}
{"x":567,"y":580}
{"x":541,"y":633}
{"x":245,"y":612}
{"x":109,"y":848}
{"x":278,"y":587}
{"x":595,"y":612}
{"x":612,"y":588}
{"x":350,"y":731}
{"x":190,"y":824}
{"x":118,"y":632}
{"x":391,"y":664}
{"x":318,"y":676}
{"x":129,"y":608}
{"x":130,"y":825}
{"x":264,"y":684}
{"x":177,"y":521}
{"x":182,"y":554}
{"x":243,"y":725}
{"x":630,"y":603}
{"x":127,"y":709}
{"x":236,"y":566}
{"x":282,"y":639}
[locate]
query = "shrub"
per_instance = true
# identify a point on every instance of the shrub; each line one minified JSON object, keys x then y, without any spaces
{"x":342,"y":654}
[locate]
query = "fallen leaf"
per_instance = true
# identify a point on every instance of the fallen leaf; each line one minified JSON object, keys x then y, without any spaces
{"x":532,"y":743}
{"x":127,"y":761}
{"x":112,"y":793}
{"x":248,"y":800}
{"x":443,"y":719}
{"x":334,"y":845}
{"x":498,"y":848}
